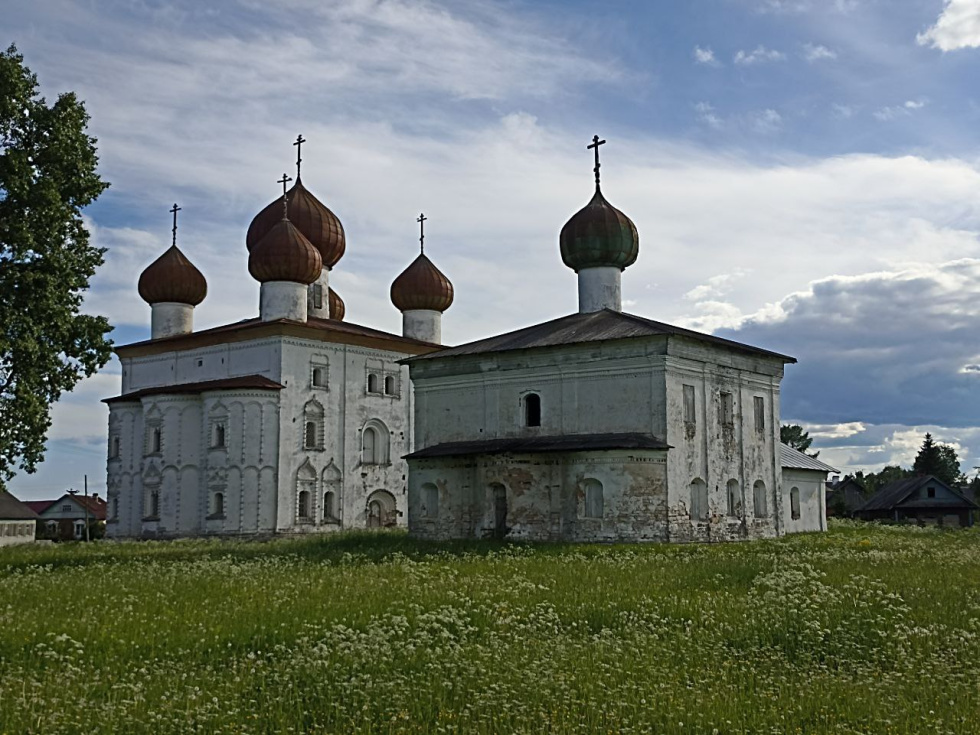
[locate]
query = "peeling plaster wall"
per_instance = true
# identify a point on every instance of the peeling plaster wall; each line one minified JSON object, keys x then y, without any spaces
{"x":813,"y":500}
{"x":545,"y":496}
{"x":634,"y":385}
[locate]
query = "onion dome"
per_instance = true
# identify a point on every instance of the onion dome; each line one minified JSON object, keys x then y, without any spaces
{"x":172,"y":278}
{"x":310,"y":216}
{"x":337,"y":307}
{"x":422,"y":286}
{"x":599,"y":235}
{"x":284,"y":254}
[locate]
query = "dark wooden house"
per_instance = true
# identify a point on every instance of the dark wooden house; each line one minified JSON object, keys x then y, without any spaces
{"x":845,"y":496}
{"x":923,"y":499}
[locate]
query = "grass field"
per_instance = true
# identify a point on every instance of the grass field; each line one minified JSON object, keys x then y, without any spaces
{"x":859,"y":630}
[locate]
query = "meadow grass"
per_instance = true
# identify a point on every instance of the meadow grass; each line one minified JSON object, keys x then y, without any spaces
{"x":861,"y":630}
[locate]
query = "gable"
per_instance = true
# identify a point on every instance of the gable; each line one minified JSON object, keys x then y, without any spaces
{"x":931,"y":494}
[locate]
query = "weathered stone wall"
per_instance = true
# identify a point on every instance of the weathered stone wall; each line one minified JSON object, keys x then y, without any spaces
{"x":812,"y":485}
{"x":545,"y":496}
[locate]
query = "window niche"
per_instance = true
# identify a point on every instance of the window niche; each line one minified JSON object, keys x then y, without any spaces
{"x":794,"y":503}
{"x":734,"y":501}
{"x":319,"y":373}
{"x":759,"y":504}
{"x":430,"y":501}
{"x":114,"y":447}
{"x":759,"y":404}
{"x":216,"y":504}
{"x":373,"y":383}
{"x":154,"y":437}
{"x":726,"y":409}
{"x":699,"y":500}
{"x":305,"y":493}
{"x":594,"y":499}
{"x":690,"y":407}
{"x":374,"y":443}
{"x":391,"y":385}
{"x":532,"y":410}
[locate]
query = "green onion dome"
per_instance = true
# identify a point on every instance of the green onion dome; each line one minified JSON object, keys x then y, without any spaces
{"x":598,"y":236}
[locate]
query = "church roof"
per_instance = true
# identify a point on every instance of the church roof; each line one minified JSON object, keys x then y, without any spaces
{"x":598,"y":326}
{"x":535,"y":444}
{"x":324,"y":330}
{"x":796,"y":460}
{"x":244,"y":382}
{"x":11,"y":509}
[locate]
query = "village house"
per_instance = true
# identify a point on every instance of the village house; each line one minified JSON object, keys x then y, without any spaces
{"x":845,"y":496}
{"x":922,"y":499}
{"x":18,"y":523}
{"x":65,"y":519}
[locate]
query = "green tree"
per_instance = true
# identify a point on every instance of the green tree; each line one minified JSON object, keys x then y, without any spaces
{"x":938,"y":460}
{"x":47,"y":175}
{"x":794,"y":436}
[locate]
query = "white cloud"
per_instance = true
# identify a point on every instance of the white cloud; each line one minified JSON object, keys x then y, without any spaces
{"x":812,"y":52}
{"x":705,"y":56}
{"x":766,"y":121}
{"x":893,"y":112}
{"x":706,"y":114}
{"x":759,"y":55}
{"x":957,"y":27}
{"x":843,"y":111}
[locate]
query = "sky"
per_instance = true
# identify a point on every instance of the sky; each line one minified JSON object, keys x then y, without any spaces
{"x":804,"y":176}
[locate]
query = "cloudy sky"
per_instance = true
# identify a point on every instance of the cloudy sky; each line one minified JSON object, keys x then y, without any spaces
{"x":804,"y":175}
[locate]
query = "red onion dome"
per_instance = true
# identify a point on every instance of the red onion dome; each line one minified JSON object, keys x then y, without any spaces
{"x":310,"y":216}
{"x":337,"y":307}
{"x":284,"y":254}
{"x":422,"y":286}
{"x":172,"y":278}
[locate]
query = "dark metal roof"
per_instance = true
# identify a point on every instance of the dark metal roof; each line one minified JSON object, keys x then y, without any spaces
{"x":795,"y":460}
{"x":11,"y":509}
{"x":599,"y":235}
{"x":597,"y":326}
{"x":254,"y":382}
{"x":894,"y":493}
{"x":422,"y":286}
{"x":536,"y":444}
{"x":172,"y":277}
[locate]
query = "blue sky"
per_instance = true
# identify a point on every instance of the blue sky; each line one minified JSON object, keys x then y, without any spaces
{"x":804,"y":175}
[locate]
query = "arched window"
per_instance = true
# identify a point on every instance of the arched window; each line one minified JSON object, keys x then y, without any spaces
{"x":532,"y":410}
{"x":218,"y":439}
{"x":313,"y":425}
{"x":390,"y":385}
{"x":319,"y":377}
{"x":759,"y":499}
{"x":330,"y":506}
{"x":218,"y":504}
{"x":593,"y":499}
{"x":430,"y":501}
{"x":733,"y":498}
{"x":699,"y":500}
{"x":114,"y":447}
{"x":373,"y":383}
{"x":155,"y":504}
{"x":303,"y":510}
{"x":374,"y":443}
{"x":155,"y":441}
{"x":794,"y":503}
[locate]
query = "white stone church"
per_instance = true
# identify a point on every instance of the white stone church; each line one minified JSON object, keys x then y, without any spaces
{"x":600,"y":425}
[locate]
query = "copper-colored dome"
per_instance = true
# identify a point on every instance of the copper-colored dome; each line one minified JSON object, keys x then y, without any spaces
{"x":422,"y":286}
{"x":599,"y":235}
{"x":310,"y":216}
{"x":337,"y":307}
{"x":284,"y":254}
{"x":172,"y":278}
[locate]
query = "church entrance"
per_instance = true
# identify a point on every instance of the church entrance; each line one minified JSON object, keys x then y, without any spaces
{"x":381,"y":511}
{"x":499,"y":511}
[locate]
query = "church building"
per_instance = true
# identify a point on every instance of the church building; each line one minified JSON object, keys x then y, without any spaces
{"x":294,"y":421}
{"x":603,"y":425}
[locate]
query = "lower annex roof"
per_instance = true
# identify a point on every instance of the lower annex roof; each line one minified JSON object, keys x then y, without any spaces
{"x":534,"y":444}
{"x":245,"y":382}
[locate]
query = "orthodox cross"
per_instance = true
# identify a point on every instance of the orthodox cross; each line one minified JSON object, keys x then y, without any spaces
{"x":299,"y":145}
{"x":174,"y":211}
{"x":421,"y":220}
{"x":285,"y":204}
{"x":595,"y":146}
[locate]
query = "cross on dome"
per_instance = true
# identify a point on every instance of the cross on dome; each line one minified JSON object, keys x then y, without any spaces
{"x":299,"y":146}
{"x":174,"y":211}
{"x":595,"y":146}
{"x":285,"y":201}
{"x":421,"y":220}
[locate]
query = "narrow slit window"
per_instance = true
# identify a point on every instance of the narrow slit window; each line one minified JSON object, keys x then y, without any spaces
{"x":389,"y":386}
{"x":794,"y":503}
{"x":760,"y":414}
{"x":309,"y":435}
{"x":690,"y":417}
{"x":727,"y":409}
{"x":372,"y":383}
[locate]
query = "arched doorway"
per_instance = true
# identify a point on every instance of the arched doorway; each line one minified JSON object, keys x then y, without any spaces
{"x":499,"y":496}
{"x":381,"y":511}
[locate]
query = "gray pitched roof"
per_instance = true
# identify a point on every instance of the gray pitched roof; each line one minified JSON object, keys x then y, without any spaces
{"x":796,"y":460}
{"x":11,"y":509}
{"x":894,"y":493}
{"x":534,"y":444}
{"x":593,"y":327}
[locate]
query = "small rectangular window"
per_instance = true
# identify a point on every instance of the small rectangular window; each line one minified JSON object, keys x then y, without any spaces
{"x":218,"y":436}
{"x":931,"y":492}
{"x":727,"y":409}
{"x":760,"y":415}
{"x":66,"y":508}
{"x":317,"y":296}
{"x":690,"y":417}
